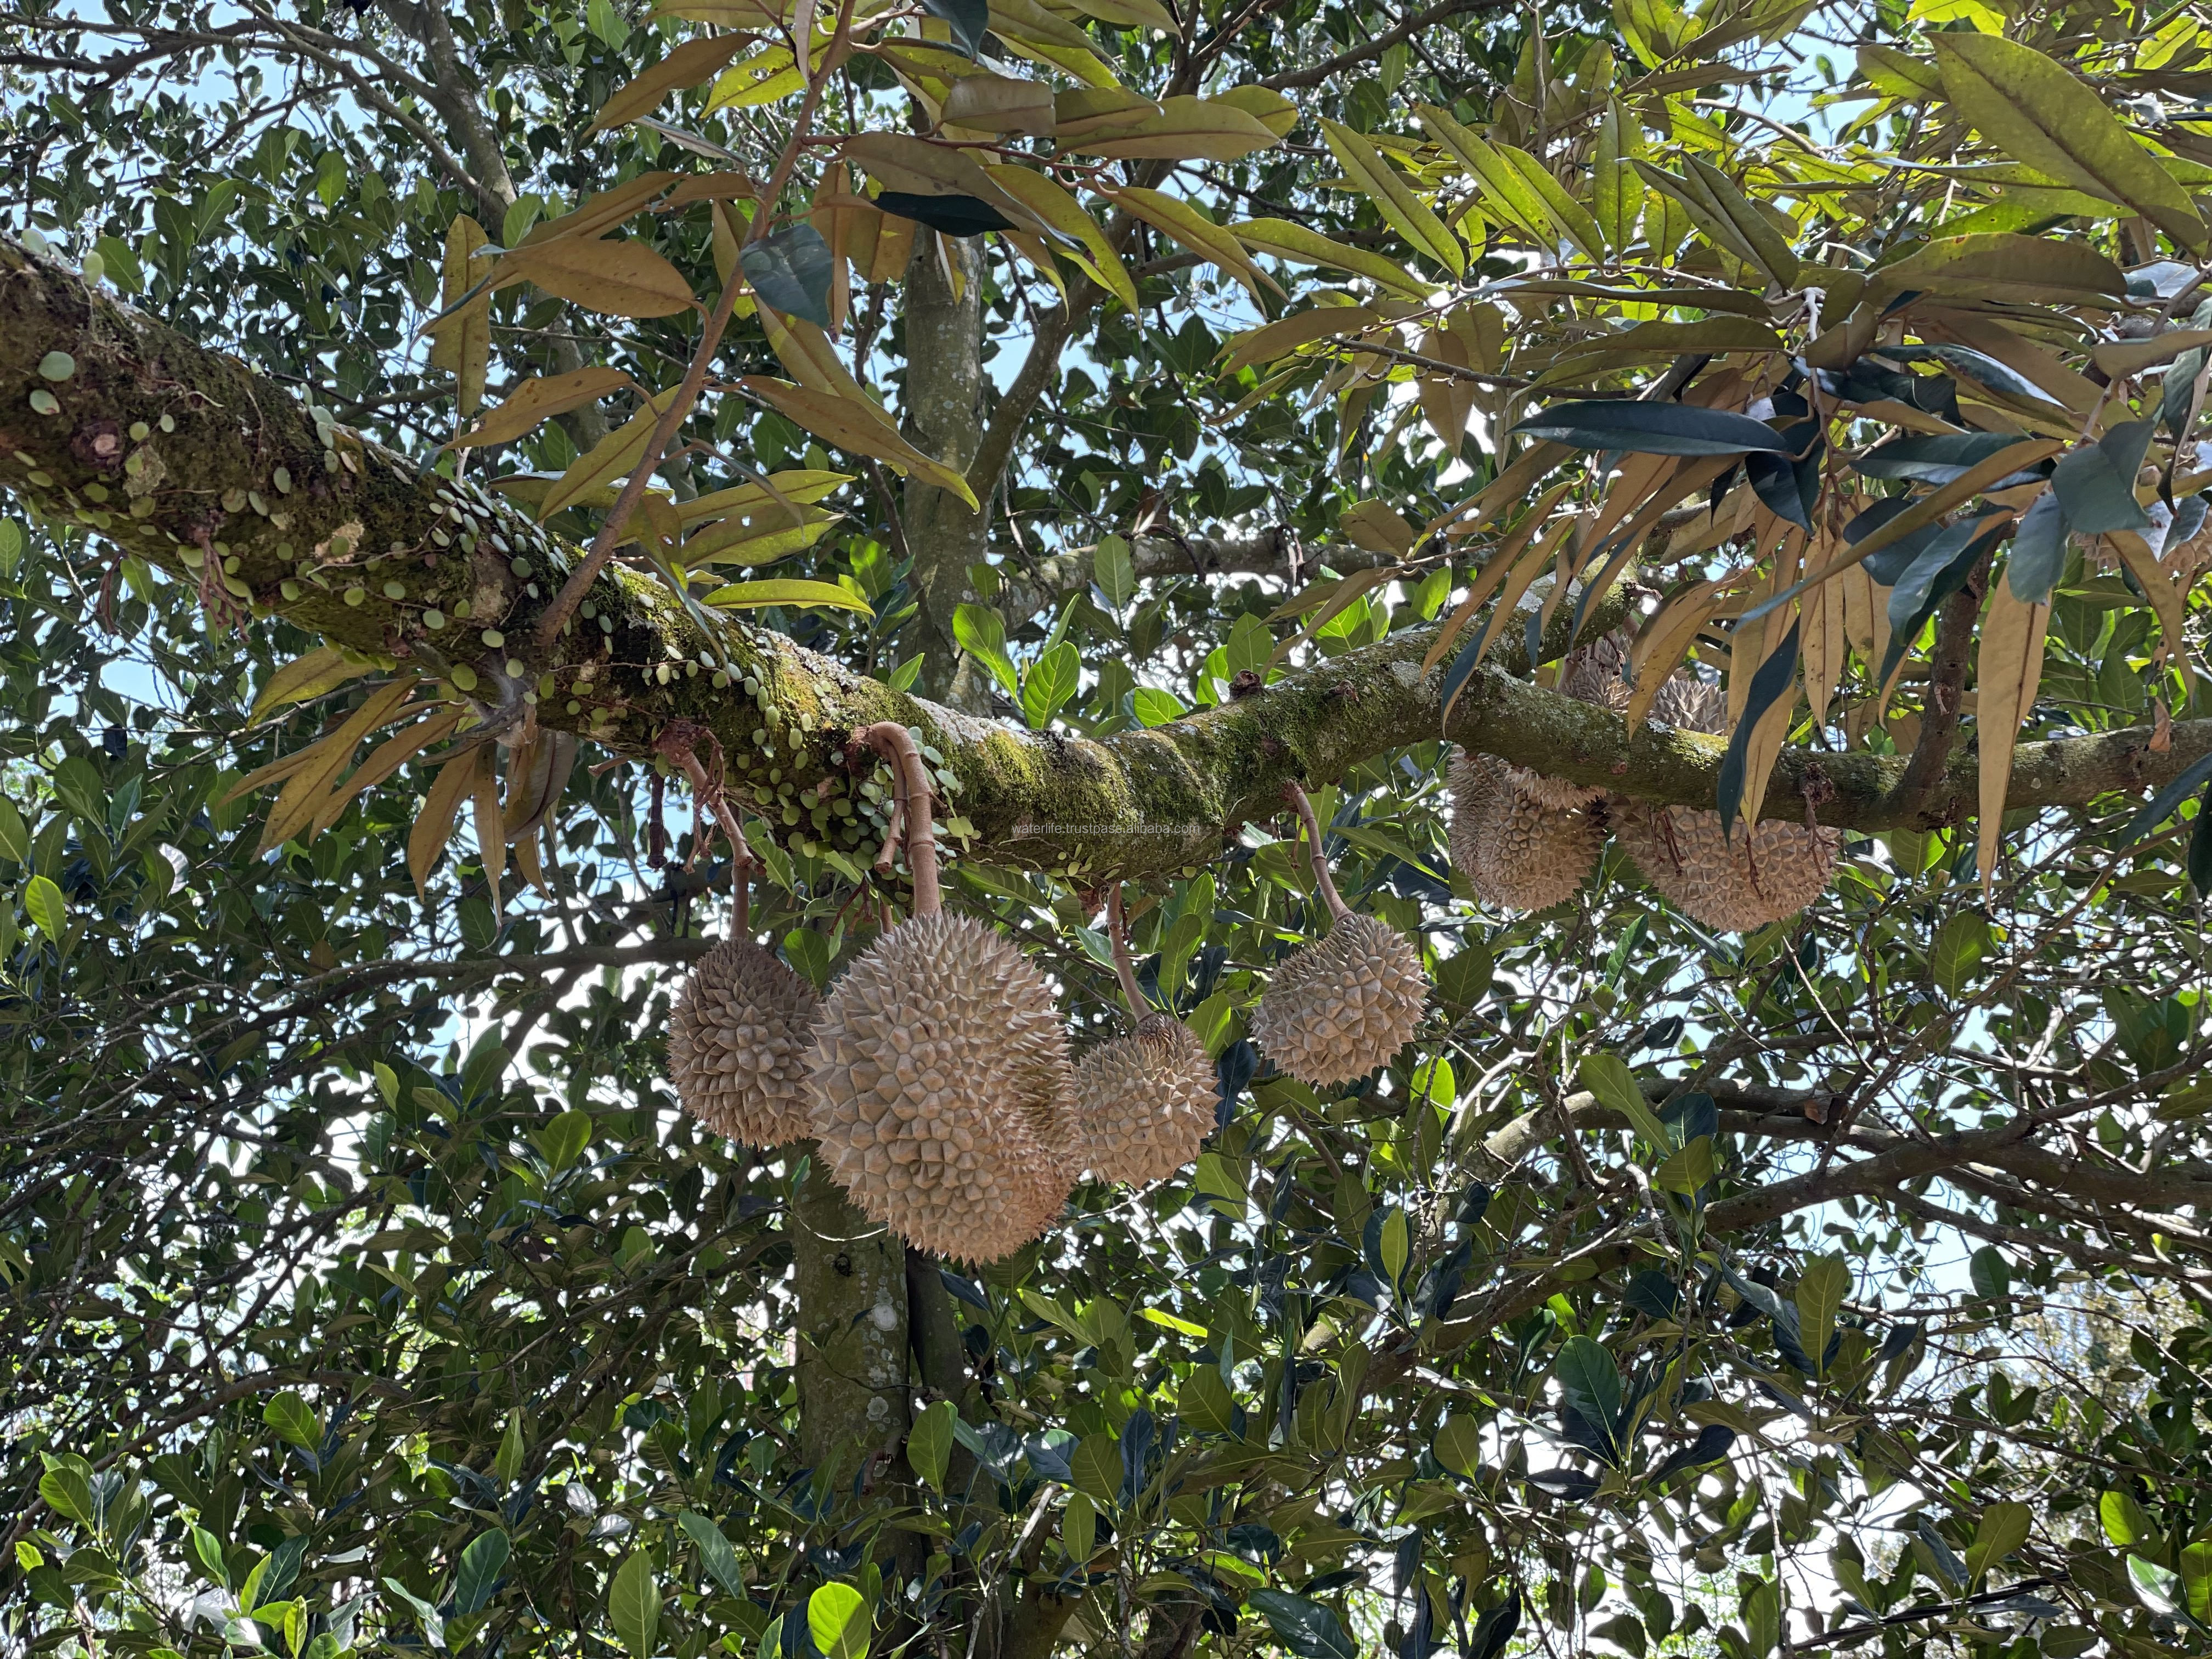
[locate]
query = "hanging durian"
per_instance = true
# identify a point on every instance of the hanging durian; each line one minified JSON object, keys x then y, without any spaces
{"x":939,"y":1085}
{"x":1344,"y":1004}
{"x":1149,"y":1099}
{"x":1767,"y":871}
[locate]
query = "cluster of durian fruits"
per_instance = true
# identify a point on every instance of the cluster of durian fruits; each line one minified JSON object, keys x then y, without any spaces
{"x":1526,"y":841}
{"x":938,"y":1082}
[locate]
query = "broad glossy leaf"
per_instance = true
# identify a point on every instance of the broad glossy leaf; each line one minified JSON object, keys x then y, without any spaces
{"x":1308,"y":1628}
{"x":634,"y":1605}
{"x":2095,"y":484}
{"x":791,"y":269}
{"x":478,"y":1574}
{"x":1938,"y":571}
{"x":1653,"y":428}
{"x":2036,"y":111}
{"x":2038,"y":551}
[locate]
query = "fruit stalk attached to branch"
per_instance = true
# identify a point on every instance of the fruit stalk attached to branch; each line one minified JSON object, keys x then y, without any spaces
{"x":1149,"y":1099}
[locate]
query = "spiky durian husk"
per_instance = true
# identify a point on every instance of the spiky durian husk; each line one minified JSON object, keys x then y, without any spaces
{"x":1343,"y":1006}
{"x":1592,"y":673}
{"x":941,"y":1089}
{"x":1514,"y":851}
{"x":1148,"y":1101}
{"x":1690,"y":704}
{"x":1770,"y":870}
{"x":737,"y":1041}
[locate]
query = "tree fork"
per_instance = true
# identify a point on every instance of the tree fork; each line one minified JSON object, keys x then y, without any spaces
{"x":182,"y":456}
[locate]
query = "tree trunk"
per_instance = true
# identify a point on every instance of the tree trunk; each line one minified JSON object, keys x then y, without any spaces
{"x":944,"y":418}
{"x":850,"y":1277}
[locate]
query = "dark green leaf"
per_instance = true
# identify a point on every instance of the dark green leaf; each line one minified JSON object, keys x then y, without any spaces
{"x":1655,"y":429}
{"x":2038,"y":551}
{"x":2096,"y":483}
{"x":1939,"y":571}
{"x":1774,"y":678}
{"x":968,"y":20}
{"x":1936,"y":457}
{"x":478,"y":1575}
{"x":1307,"y":1628}
{"x":2168,"y":801}
{"x":791,"y":269}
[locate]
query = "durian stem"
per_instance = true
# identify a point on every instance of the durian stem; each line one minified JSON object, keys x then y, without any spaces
{"x":1297,"y":797}
{"x":896,"y":744}
{"x":1117,"y":935}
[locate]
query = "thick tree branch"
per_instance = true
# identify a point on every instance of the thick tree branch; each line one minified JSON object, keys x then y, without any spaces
{"x":310,"y":521}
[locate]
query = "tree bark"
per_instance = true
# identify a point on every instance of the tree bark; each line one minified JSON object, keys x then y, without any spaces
{"x":850,"y":1274}
{"x":944,"y":418}
{"x":181,"y":456}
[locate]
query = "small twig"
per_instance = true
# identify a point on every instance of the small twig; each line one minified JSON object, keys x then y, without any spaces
{"x":1327,"y":887}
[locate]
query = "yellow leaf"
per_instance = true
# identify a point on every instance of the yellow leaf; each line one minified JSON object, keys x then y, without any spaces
{"x":608,"y":459}
{"x":861,"y":427}
{"x":787,"y":590}
{"x":2167,"y":600}
{"x":2034,"y":109}
{"x":460,"y":341}
{"x":433,"y":825}
{"x":295,"y":808}
{"x":1304,"y":245}
{"x":1025,"y":23}
{"x":1185,"y":130}
{"x":1394,"y":198}
{"x":308,"y":677}
{"x":1266,"y":105}
{"x":387,"y":758}
{"x":738,"y":542}
{"x":1820,"y":614}
{"x":1272,"y":342}
{"x":1130,"y":14}
{"x":491,"y":840}
{"x":686,"y":65}
{"x":1179,"y":220}
{"x":609,"y":208}
{"x":1000,"y":103}
{"x":538,"y":399}
{"x":1375,"y":527}
{"x":768,"y":75}
{"x":618,"y":279}
{"x":1057,"y":209}
{"x":2007,"y":667}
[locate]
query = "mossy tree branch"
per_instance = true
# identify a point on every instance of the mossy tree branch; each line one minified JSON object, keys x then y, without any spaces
{"x":185,"y":459}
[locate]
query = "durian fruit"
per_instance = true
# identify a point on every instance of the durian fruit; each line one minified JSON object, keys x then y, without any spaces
{"x":1768,"y":871}
{"x":738,"y":1039}
{"x":1148,"y":1100}
{"x":939,"y":1085}
{"x":1342,"y":1006}
{"x":1516,"y":851}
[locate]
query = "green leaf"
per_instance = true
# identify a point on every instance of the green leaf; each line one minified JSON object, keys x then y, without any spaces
{"x":1205,"y":1401}
{"x":634,"y":1605}
{"x":1373,"y":176}
{"x":837,"y":1619}
{"x":715,"y":1554}
{"x":433,"y":1621}
{"x":2004,"y":1527}
{"x":791,"y":269}
{"x":2158,"y":1588}
{"x":1096,"y":1467}
{"x":1114,"y":571}
{"x":2095,"y":484}
{"x":67,"y":1487}
{"x":1989,"y":1272}
{"x":478,"y":1574}
{"x":2035,"y":111}
{"x":1250,"y":645}
{"x":11,"y":547}
{"x":1049,"y":683}
{"x":1608,"y":1078}
{"x":1395,"y":1243}
{"x":507,"y":1463}
{"x":788,"y":590}
{"x":929,"y":1443}
{"x":1960,"y":944}
{"x":15,"y":833}
{"x":1458,"y":1445}
{"x":561,"y":1142}
{"x":981,"y":632}
{"x":1653,"y":428}
{"x":293,"y":1419}
{"x":47,"y":908}
{"x":1821,"y":1289}
{"x":1590,"y":1380}
{"x":1078,"y":1524}
{"x":1687,"y":1169}
{"x":207,"y":1548}
{"x":1306,"y":1628}
{"x":1155,"y":707}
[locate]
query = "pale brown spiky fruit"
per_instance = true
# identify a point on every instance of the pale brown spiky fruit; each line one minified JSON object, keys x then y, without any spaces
{"x":738,"y":1039}
{"x":1516,"y":852}
{"x":1343,"y":1006}
{"x":941,"y":1089}
{"x":1148,"y":1101}
{"x":1767,"y":872}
